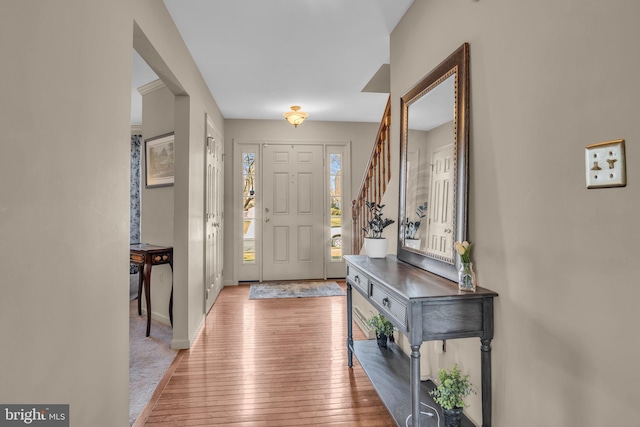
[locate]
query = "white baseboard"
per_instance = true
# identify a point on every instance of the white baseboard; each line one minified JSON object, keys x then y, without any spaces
{"x":156,"y":316}
{"x":178,"y":344}
{"x":360,"y":319}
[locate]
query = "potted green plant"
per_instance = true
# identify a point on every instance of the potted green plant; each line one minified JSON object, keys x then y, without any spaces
{"x":375,"y":245}
{"x":383,"y":328}
{"x":411,"y":227}
{"x":450,"y":394}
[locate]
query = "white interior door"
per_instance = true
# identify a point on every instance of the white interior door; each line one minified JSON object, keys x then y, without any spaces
{"x":440,"y":234}
{"x":293,"y":212}
{"x":214,"y":202}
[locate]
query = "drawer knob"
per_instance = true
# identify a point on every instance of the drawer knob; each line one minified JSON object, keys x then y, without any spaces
{"x":385,"y":302}
{"x":357,"y":278}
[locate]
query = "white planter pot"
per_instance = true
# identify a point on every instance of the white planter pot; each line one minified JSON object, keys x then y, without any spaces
{"x":376,"y":248}
{"x":412,"y":243}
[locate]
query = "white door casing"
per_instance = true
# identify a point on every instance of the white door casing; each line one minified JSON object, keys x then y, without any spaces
{"x":292,"y":212}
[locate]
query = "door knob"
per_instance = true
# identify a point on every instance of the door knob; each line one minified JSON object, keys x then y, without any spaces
{"x":266,"y":219}
{"x":266,"y":209}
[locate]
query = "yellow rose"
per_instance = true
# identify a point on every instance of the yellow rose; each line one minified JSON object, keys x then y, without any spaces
{"x":460,"y":248}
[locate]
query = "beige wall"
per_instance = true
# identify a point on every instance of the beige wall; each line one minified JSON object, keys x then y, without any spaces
{"x":361,"y":136}
{"x":159,"y":43}
{"x":157,"y":207}
{"x":64,"y":197}
{"x":64,"y":206}
{"x":547,"y":79}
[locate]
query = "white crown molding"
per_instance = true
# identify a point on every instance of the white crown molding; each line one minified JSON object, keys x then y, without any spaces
{"x":150,"y":87}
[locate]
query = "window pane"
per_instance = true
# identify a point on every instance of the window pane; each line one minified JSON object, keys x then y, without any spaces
{"x":248,"y":163}
{"x":335,"y":164}
{"x":248,"y":187}
{"x":248,"y":208}
{"x":333,"y":187}
{"x":249,"y":255}
{"x":335,"y":190}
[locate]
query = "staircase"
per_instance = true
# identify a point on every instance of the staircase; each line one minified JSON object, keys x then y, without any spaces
{"x":376,"y":177}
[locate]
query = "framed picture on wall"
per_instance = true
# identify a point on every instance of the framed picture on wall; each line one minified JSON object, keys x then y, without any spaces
{"x":159,"y":161}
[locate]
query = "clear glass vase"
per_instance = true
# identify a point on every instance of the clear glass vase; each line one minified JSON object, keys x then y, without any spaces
{"x":466,"y":277}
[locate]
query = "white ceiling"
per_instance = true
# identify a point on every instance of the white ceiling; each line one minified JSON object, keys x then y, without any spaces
{"x":259,"y":57}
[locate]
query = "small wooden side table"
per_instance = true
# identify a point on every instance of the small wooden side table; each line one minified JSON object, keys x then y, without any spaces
{"x":146,"y":256}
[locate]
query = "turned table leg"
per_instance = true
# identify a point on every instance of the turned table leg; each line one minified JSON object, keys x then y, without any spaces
{"x":147,"y":293}
{"x":485,"y":361}
{"x":140,"y":278}
{"x":349,"y":325}
{"x":415,"y":385}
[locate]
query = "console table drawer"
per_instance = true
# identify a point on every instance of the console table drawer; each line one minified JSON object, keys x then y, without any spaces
{"x":390,"y":304}
{"x":358,"y":279}
{"x":161,"y":258}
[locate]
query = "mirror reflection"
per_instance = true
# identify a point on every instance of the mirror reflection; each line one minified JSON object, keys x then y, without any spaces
{"x":433,"y":166}
{"x":429,"y":171}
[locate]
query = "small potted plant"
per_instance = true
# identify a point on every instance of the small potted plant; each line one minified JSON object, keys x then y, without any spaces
{"x":374,"y":244}
{"x":411,"y":228}
{"x":450,"y":394}
{"x":383,"y":328}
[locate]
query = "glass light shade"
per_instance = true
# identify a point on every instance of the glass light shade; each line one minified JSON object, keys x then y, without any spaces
{"x":295,"y":117}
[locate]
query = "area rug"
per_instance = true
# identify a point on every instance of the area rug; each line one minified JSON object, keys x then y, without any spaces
{"x":149,"y":357}
{"x":268,"y":290}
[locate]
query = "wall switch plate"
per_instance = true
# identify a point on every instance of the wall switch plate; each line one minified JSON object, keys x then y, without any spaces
{"x":605,"y":164}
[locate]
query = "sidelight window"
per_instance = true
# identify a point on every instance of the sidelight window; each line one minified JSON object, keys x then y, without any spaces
{"x":248,"y":207}
{"x":335,"y":204}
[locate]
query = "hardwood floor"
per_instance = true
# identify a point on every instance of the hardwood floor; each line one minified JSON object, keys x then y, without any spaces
{"x":276,"y":362}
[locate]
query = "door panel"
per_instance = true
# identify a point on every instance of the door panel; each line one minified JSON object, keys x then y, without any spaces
{"x":281,"y":198}
{"x":293,"y":212}
{"x":305,"y":244}
{"x":214,"y":202}
{"x":281,"y":244}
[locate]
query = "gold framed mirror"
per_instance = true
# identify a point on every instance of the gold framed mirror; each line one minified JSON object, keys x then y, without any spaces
{"x":434,"y":161}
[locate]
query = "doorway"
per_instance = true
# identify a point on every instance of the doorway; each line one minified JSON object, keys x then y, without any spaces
{"x":288,"y":210}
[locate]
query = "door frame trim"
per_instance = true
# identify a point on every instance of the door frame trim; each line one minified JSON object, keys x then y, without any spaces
{"x":236,"y":211}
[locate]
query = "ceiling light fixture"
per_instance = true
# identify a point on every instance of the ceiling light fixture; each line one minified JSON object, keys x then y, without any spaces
{"x":295,"y":117}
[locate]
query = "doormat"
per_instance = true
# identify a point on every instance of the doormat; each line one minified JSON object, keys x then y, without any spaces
{"x":268,"y":290}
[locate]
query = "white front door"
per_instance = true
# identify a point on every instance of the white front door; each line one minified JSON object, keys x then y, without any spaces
{"x":293,"y":212}
{"x":214,"y":202}
{"x":440,"y":234}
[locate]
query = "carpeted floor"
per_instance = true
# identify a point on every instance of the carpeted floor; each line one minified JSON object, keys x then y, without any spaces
{"x":149,"y":357}
{"x":269,"y":290}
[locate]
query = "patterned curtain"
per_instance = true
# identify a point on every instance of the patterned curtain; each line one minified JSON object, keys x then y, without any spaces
{"x":134,"y":235}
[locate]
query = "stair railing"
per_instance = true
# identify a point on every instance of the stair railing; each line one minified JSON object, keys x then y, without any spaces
{"x":375,"y":180}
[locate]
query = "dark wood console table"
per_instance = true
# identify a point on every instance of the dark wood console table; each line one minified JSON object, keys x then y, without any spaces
{"x":146,"y":256}
{"x":424,"y":307}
